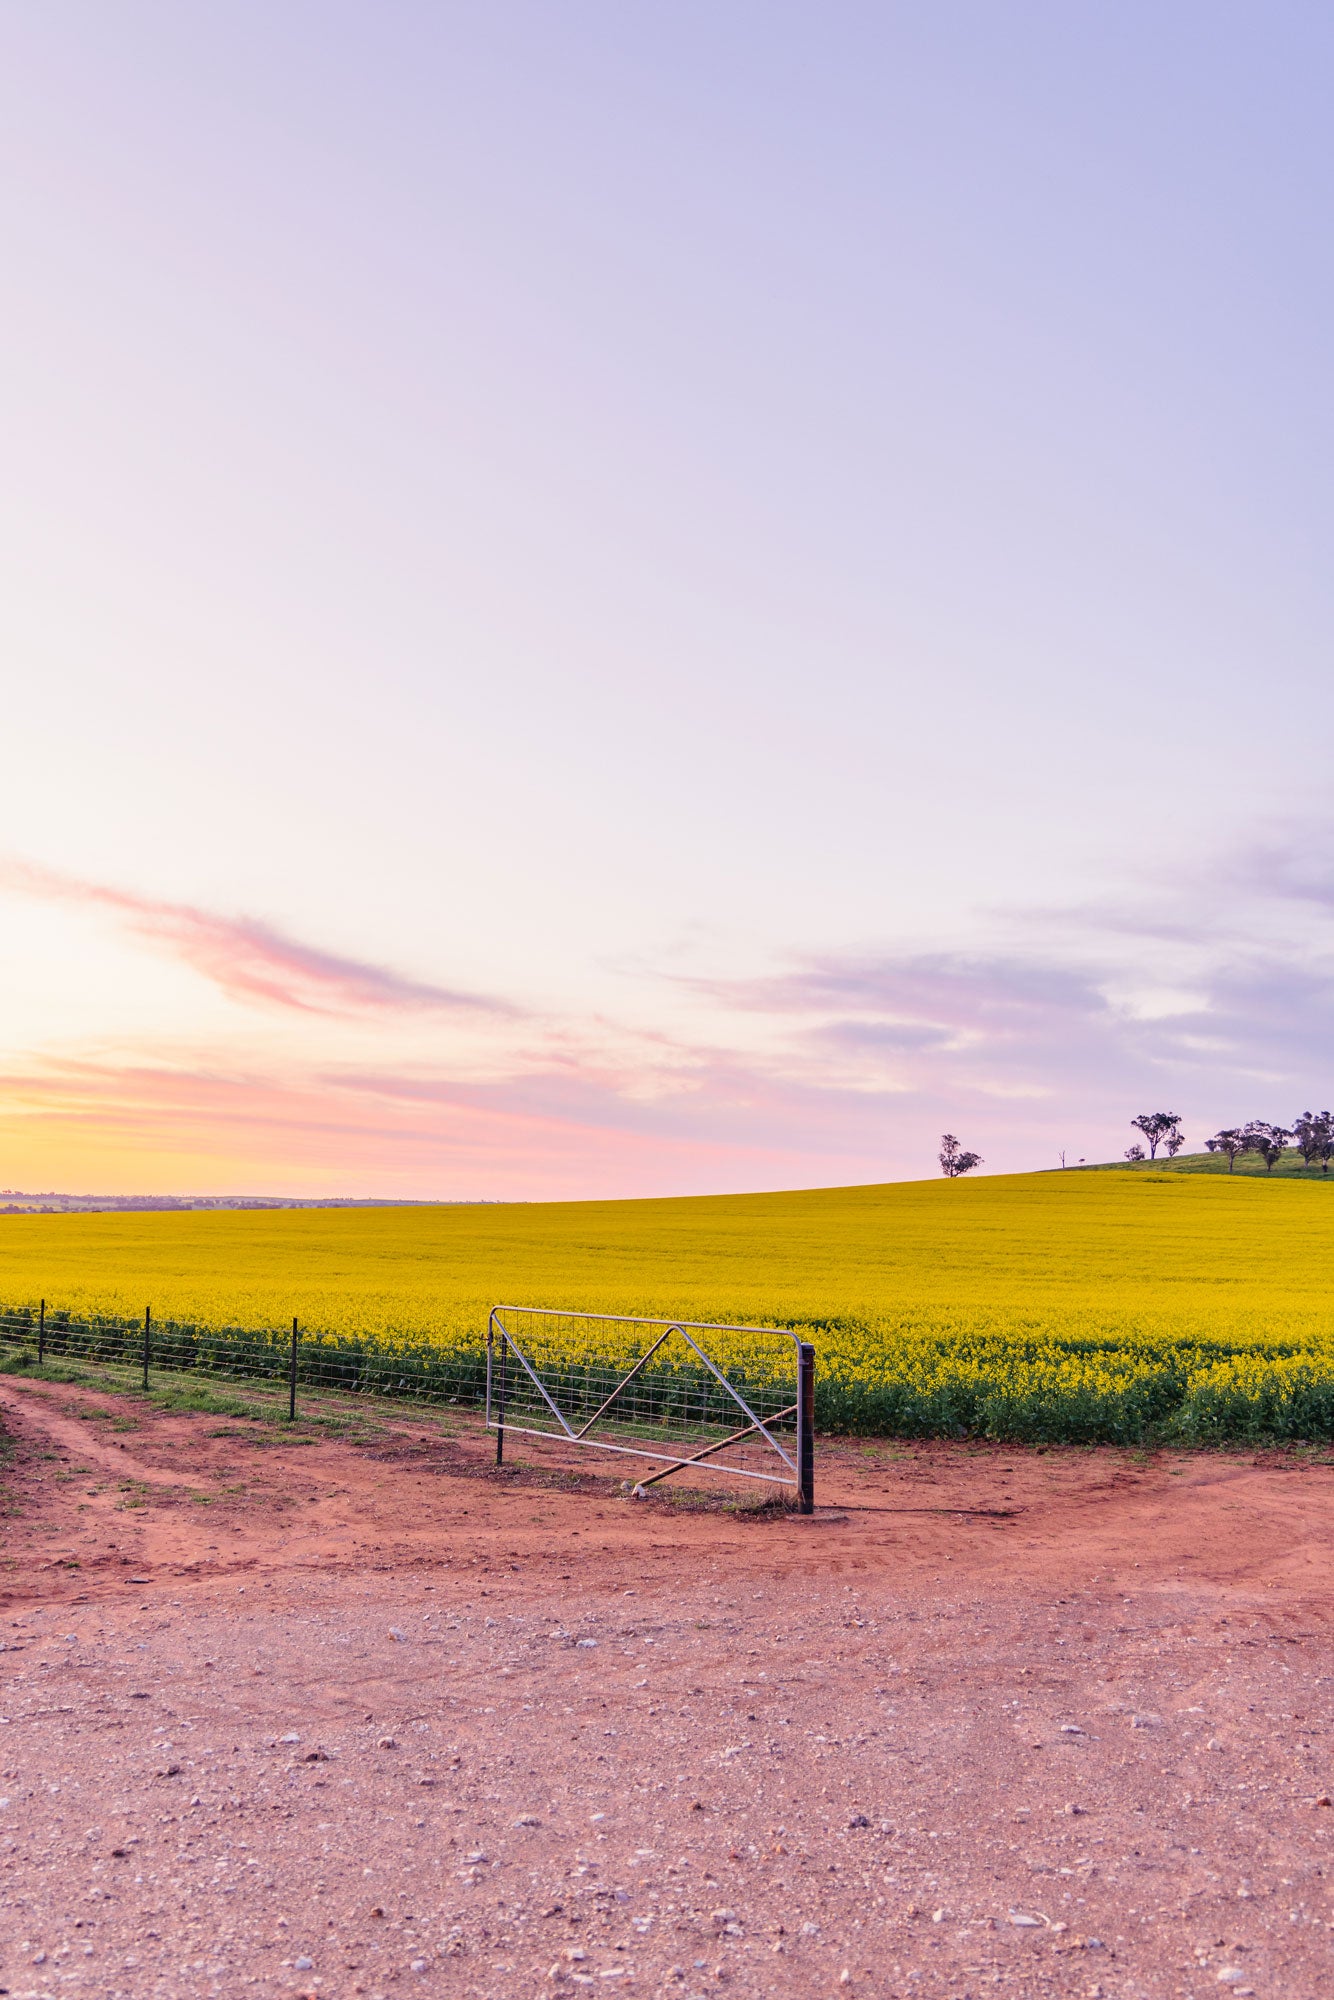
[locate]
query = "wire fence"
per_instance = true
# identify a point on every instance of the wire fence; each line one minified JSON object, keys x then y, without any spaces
{"x":287,"y":1358}
{"x":649,"y":1389}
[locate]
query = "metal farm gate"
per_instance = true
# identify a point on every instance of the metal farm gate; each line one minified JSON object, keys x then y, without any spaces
{"x":733,"y":1400}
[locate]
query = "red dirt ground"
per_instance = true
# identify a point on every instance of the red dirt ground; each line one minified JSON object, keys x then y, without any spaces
{"x":339,"y":1715}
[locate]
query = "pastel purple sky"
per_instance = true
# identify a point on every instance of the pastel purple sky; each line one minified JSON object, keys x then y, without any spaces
{"x":628,"y":600}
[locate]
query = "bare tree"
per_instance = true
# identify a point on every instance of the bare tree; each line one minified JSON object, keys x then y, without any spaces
{"x":953,"y":1160}
{"x":1160,"y":1128}
{"x":1136,"y":1152}
{"x":1269,"y":1141}
{"x":1231,"y":1140}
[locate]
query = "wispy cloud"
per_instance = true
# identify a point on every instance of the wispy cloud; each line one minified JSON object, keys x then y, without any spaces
{"x":1221,"y":993}
{"x":251,"y":960}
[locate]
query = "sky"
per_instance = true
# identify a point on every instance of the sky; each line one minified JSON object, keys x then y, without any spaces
{"x":623,"y":600}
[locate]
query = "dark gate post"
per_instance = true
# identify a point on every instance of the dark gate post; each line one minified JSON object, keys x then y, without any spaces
{"x":500,"y":1407}
{"x":41,"y":1333}
{"x":291,"y":1380}
{"x":148,"y":1324}
{"x":805,"y":1428}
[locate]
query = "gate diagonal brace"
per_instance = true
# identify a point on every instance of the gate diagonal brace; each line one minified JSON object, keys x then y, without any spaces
{"x":708,"y":1451}
{"x":522,"y":1360}
{"x":642,"y":1362}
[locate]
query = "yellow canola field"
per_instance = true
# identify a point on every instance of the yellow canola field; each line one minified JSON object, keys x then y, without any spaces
{"x":1077,"y":1305}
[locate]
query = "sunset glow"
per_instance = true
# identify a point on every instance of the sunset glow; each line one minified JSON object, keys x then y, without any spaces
{"x":611,"y":604}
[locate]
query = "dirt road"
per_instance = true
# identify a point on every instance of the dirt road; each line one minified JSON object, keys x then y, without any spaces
{"x":319,"y":1713}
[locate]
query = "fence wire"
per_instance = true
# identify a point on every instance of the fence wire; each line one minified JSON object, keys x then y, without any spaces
{"x":353,"y":1366}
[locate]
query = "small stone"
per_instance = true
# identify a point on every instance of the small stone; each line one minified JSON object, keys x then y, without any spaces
{"x":1323,"y":1800}
{"x":1072,"y":1810}
{"x":395,"y":1633}
{"x":859,"y":1819}
{"x":1028,"y":1922}
{"x":528,"y":1819}
{"x":304,"y":1964}
{"x":1213,"y":1744}
{"x":387,"y":1743}
{"x":1071,"y":1729}
{"x":937,"y":1916}
{"x":1229,"y":1975}
{"x":1146,"y":1721}
{"x":845,"y":1977}
{"x":291,"y":1737}
{"x":585,"y":1642}
{"x":418,"y":1965}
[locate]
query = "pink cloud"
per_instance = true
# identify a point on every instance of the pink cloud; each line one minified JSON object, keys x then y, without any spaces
{"x":250,"y":960}
{"x":183,"y":1128}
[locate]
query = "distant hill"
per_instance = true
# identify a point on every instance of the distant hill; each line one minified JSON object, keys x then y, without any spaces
{"x":14,"y":1202}
{"x":1249,"y":1166}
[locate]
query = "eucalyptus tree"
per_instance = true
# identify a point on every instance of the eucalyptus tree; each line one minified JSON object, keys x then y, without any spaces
{"x":1313,"y":1133}
{"x":1269,"y":1141}
{"x":1161,"y":1128}
{"x":953,"y":1159}
{"x":1232,"y":1141}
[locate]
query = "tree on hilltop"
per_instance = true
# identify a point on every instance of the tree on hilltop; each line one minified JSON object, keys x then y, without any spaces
{"x":1161,"y":1128}
{"x":1269,"y":1141}
{"x":953,"y":1160}
{"x":1135,"y":1152}
{"x":1313,"y":1133}
{"x":1231,"y":1140}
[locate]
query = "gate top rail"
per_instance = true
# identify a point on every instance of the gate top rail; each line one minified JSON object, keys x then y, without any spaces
{"x":638,"y":1319}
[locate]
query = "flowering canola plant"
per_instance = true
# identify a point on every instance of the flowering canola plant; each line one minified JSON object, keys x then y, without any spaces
{"x":1057,"y":1307}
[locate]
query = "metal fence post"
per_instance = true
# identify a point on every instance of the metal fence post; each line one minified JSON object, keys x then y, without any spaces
{"x":805,"y":1428}
{"x":148,"y":1326}
{"x":41,"y":1333}
{"x":291,"y":1380}
{"x":500,"y":1408}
